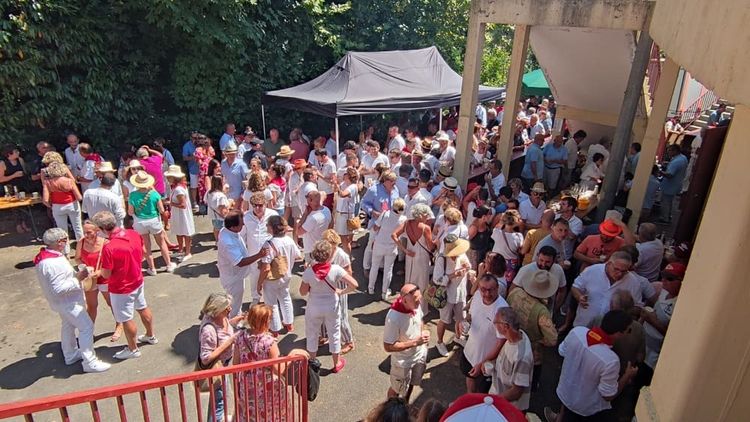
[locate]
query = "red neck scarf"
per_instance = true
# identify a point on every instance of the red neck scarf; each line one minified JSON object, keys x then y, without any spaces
{"x":398,"y":306}
{"x":597,"y":336}
{"x":45,"y":253}
{"x":321,"y":270}
{"x":94,"y":157}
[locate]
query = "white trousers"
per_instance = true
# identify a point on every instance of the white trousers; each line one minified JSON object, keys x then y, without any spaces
{"x":386,"y":259}
{"x":236,"y":289}
{"x":74,"y":317}
{"x":252,"y":279}
{"x":367,"y":257}
{"x":276,"y":295}
{"x":315,"y":316}
{"x":72,"y":212}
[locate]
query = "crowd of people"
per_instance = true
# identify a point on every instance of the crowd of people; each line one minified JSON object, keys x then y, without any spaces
{"x":508,"y":265}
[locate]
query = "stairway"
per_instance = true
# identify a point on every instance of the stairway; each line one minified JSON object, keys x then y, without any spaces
{"x":702,"y":120}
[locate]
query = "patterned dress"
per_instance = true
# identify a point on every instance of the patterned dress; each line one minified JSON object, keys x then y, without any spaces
{"x":262,"y":394}
{"x":203,"y":157}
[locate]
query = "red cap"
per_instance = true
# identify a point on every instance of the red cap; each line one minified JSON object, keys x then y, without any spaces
{"x":609,"y":228}
{"x":676,"y":269}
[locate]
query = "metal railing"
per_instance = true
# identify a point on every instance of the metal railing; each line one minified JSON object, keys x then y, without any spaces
{"x":271,"y":390}
{"x":653,"y":71}
{"x":704,"y":102}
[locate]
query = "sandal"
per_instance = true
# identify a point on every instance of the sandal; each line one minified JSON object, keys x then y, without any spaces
{"x":289,"y":327}
{"x":116,"y":335}
{"x":339,"y":366}
{"x":348,"y":347}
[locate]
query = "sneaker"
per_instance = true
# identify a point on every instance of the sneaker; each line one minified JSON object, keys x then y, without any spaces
{"x":461,"y":341}
{"x":549,"y":415}
{"x":76,"y":357}
{"x":96,"y":366}
{"x":371,"y":290}
{"x":170,"y":268}
{"x":127,"y":354}
{"x":151,"y":272}
{"x":340,"y":366}
{"x":145,"y":339}
{"x":185,"y":258}
{"x":442,"y":349}
{"x":386,"y":294}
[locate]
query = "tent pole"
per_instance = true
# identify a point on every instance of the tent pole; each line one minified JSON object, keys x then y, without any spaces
{"x":337,"y":139}
{"x":263,"y":117}
{"x":361,"y":125}
{"x":440,"y":118}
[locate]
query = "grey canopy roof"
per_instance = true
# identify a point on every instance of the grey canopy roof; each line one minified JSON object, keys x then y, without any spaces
{"x":379,"y":82}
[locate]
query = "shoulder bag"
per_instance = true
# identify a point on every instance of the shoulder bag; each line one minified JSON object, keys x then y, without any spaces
{"x":89,"y":283}
{"x":205,"y":383}
{"x":279,"y":265}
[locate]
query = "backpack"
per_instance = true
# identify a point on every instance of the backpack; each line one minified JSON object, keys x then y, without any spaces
{"x":279,"y":265}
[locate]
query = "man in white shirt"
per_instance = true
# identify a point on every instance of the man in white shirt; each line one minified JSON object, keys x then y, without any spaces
{"x":102,"y":198}
{"x":535,"y":126}
{"x":532,"y":209}
{"x":233,"y":259}
{"x":495,"y":179}
{"x":481,"y":114}
{"x":314,"y":221}
{"x":415,"y":195}
{"x":484,"y":342}
{"x":309,"y":184}
{"x":105,"y":167}
{"x":395,"y":140}
{"x":370,"y":160}
{"x":405,"y":338}
{"x":72,"y":155}
{"x":650,"y":252}
{"x":593,"y":288}
{"x":602,"y":147}
{"x":572,"y":146}
{"x":568,"y":207}
{"x":326,"y":176}
{"x":590,"y":379}
{"x":447,"y":152}
{"x":514,"y":366}
{"x":256,"y":235}
{"x":331,"y":144}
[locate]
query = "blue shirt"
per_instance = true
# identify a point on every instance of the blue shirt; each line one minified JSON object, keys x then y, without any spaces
{"x":676,"y":167}
{"x":188,"y":150}
{"x":224,"y":140}
{"x":651,"y":188}
{"x":533,"y":155}
{"x":234,"y":175}
{"x":168,"y":157}
{"x":553,"y":153}
{"x":374,"y":199}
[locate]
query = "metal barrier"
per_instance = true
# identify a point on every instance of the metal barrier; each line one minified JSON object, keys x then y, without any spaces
{"x":271,"y":390}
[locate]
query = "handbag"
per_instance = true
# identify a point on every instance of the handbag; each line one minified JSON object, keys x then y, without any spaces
{"x":436,"y":295}
{"x":354,"y":223}
{"x":89,"y":283}
{"x":279,"y":265}
{"x":203,"y":384}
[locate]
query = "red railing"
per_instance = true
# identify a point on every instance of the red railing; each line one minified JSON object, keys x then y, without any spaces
{"x":704,"y":102}
{"x":278,"y":392}
{"x":653,"y":71}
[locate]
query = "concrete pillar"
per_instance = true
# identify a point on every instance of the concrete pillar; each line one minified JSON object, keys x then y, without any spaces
{"x":513,"y":94}
{"x":703,"y":373}
{"x":650,"y":141}
{"x":624,"y":130}
{"x":469,"y":97}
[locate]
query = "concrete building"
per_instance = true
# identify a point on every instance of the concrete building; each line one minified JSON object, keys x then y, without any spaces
{"x":702,"y":374}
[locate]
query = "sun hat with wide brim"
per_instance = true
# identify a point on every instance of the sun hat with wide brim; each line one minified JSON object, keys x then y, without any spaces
{"x":142,"y":180}
{"x":538,"y":188}
{"x":609,"y":228}
{"x":174,"y":171}
{"x":539,"y":284}
{"x":105,"y":167}
{"x":455,"y":247}
{"x":134,"y":164}
{"x":230,"y":147}
{"x":450,"y":183}
{"x":285,"y":151}
{"x":445,"y":171}
{"x":442,"y":137}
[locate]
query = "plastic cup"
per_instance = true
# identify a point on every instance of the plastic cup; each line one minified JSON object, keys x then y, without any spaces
{"x":488,"y":368}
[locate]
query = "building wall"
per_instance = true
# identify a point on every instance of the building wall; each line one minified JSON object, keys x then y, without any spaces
{"x":710,"y":39}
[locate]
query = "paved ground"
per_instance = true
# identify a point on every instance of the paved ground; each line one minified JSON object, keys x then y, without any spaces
{"x":31,"y":363}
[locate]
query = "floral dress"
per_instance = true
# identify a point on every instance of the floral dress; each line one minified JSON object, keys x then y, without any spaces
{"x":261,"y":391}
{"x":203,"y":158}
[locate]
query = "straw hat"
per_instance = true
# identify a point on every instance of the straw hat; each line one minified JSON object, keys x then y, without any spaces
{"x":455,"y":246}
{"x":539,"y":284}
{"x":445,"y":171}
{"x":285,"y":151}
{"x":105,"y":167}
{"x":142,"y":180}
{"x":442,"y":136}
{"x":230,"y":147}
{"x":450,"y":183}
{"x":174,"y":171}
{"x":133,"y":164}
{"x":538,"y":187}
{"x":426,"y":145}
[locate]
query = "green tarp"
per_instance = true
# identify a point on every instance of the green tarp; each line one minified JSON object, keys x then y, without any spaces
{"x":534,"y":83}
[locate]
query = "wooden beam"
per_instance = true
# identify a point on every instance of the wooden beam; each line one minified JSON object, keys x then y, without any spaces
{"x":650,"y":141}
{"x":512,"y":94}
{"x":598,"y":117}
{"x":469,"y":99}
{"x":606,"y":14}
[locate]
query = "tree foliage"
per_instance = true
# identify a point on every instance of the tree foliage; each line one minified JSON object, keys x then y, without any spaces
{"x":124,"y":71}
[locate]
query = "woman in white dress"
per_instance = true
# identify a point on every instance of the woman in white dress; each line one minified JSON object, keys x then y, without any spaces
{"x":275,"y":291}
{"x":181,"y":212}
{"x":319,"y":283}
{"x":418,"y":249}
{"x":508,"y":241}
{"x":346,"y":204}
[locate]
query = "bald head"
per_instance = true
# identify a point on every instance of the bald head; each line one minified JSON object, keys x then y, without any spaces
{"x":647,"y":232}
{"x":407,"y":289}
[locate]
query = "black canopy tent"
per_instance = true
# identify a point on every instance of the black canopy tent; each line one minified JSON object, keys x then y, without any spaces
{"x":378,"y":82}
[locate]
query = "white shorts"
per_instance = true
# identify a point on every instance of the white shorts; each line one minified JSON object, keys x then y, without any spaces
{"x":148,"y":226}
{"x":193,"y":181}
{"x":452,"y":312}
{"x":123,"y":304}
{"x":403,"y":378}
{"x":339,"y":224}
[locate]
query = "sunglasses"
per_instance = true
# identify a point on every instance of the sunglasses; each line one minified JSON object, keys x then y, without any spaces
{"x":413,"y":186}
{"x":536,"y":194}
{"x":412,"y":291}
{"x":258,"y":205}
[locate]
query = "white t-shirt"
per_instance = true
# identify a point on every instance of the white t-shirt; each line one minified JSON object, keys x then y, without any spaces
{"x":341,"y":259}
{"x":514,"y":241}
{"x":231,"y":250}
{"x":315,"y":224}
{"x":576,"y":227}
{"x":369,"y":162}
{"x":404,"y":327}
{"x":531,"y":214}
{"x":388,"y":223}
{"x":482,"y":335}
{"x":214,"y":200}
{"x":396,"y":143}
{"x":594,"y":283}
{"x":247,"y":194}
{"x":572,"y":146}
{"x":497,"y":182}
{"x":347,"y":204}
{"x":456,"y":288}
{"x":589,"y":373}
{"x":255,"y":231}
{"x":321,"y":293}
{"x":275,"y":189}
{"x":449,"y":155}
{"x":327,"y":169}
{"x":283,"y":246}
{"x":514,"y":366}
{"x":292,"y":188}
{"x":306,"y":188}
